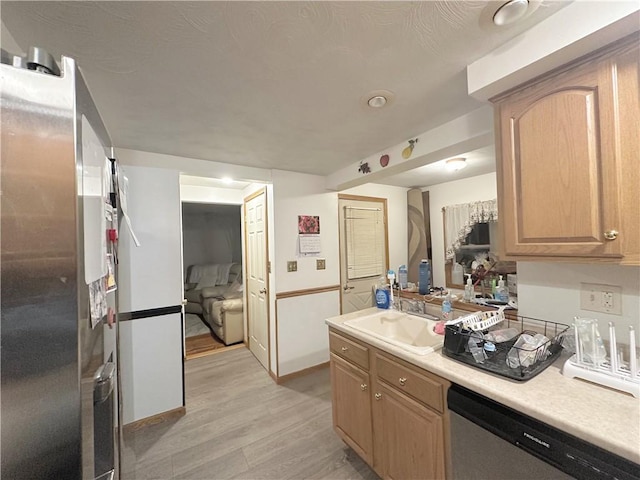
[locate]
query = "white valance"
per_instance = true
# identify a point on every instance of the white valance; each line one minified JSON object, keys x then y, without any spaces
{"x":460,"y":219}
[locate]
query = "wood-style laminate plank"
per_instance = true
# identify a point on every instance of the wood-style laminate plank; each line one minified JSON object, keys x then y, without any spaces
{"x":240,"y":424}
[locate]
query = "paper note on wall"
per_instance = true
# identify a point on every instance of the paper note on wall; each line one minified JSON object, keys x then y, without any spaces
{"x":310,"y":244}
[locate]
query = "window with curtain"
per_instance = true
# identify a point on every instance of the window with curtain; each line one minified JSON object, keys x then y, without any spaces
{"x":364,"y":229}
{"x":460,"y":219}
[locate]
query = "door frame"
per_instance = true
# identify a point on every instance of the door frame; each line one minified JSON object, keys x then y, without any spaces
{"x":362,"y":198}
{"x":257,"y":193}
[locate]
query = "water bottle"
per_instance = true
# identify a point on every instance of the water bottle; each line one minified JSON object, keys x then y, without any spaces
{"x":424,"y":284}
{"x":446,"y":307}
{"x":402,"y":276}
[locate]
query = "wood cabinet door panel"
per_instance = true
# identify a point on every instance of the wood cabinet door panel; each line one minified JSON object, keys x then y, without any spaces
{"x":412,"y":436}
{"x":567,"y":123}
{"x":352,"y":406}
{"x":558,"y":165}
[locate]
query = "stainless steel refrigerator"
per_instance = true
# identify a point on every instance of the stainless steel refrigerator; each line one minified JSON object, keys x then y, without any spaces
{"x":58,"y":398}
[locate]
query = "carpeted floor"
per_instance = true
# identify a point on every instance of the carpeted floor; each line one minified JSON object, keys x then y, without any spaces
{"x":194,"y":325}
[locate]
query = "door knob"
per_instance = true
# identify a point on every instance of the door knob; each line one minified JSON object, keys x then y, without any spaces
{"x":402,"y":381}
{"x":347,"y":287}
{"x":378,"y":396}
{"x":263,"y":290}
{"x":611,"y":234}
{"x":363,"y":386}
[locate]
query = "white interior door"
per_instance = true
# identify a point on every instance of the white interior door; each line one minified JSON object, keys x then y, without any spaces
{"x":363,"y":249}
{"x":257,"y":279}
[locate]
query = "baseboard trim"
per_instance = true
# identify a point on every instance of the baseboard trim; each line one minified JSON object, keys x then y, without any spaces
{"x":299,"y":373}
{"x":155,"y":419}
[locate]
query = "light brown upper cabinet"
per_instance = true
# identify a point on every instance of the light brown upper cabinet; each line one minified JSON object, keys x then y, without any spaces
{"x":568,"y":161}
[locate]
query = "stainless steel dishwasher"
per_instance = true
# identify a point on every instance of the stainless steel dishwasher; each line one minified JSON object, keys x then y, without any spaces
{"x":491,"y":441}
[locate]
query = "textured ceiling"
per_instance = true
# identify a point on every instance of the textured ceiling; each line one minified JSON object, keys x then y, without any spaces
{"x":269,"y":84}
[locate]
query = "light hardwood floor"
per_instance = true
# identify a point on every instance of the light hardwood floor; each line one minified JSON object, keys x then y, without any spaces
{"x":241,"y":425}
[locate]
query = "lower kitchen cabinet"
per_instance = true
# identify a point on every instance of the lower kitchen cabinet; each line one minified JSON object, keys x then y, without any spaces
{"x":411,"y":434}
{"x":352,"y":406}
{"x":393,"y":414}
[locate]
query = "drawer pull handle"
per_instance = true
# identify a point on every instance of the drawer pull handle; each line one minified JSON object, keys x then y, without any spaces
{"x":344,"y":349}
{"x":611,"y":234}
{"x":378,"y":396}
{"x":363,"y":386}
{"x":402,"y":381}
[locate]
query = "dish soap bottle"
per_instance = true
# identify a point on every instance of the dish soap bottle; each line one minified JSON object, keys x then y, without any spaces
{"x":502,"y":294}
{"x":469,"y":292}
{"x":382,"y":295}
{"x":446,"y":307}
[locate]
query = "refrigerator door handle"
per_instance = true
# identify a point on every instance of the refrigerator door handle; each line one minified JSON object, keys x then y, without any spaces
{"x":103,"y":382}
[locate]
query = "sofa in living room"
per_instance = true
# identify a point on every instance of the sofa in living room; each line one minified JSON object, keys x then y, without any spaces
{"x":214,"y":291}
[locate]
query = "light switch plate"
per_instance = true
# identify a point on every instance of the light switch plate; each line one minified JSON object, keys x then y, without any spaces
{"x":292,"y":266}
{"x":320,"y":264}
{"x":600,"y":298}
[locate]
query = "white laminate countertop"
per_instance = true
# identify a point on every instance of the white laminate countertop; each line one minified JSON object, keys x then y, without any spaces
{"x":596,"y":414}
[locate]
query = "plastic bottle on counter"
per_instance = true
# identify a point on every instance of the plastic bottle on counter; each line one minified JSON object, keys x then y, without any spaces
{"x":424,"y":277}
{"x":383,"y":295}
{"x":502,"y":294}
{"x":457,"y":276}
{"x":446,"y":306}
{"x":469,"y":292}
{"x":403,"y":276}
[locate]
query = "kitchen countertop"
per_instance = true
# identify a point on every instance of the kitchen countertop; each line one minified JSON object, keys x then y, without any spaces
{"x":599,"y":415}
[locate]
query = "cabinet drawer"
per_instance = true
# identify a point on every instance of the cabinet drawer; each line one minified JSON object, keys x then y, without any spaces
{"x":349,"y":350}
{"x":421,"y":387}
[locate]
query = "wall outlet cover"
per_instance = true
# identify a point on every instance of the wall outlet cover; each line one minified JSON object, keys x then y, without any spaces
{"x":292,"y":266}
{"x":601,"y":298}
{"x":320,"y":264}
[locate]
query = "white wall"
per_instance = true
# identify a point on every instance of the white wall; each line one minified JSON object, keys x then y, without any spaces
{"x":551,"y":291}
{"x":202,"y":194}
{"x":573,"y":31}
{"x":300,"y":194}
{"x":211,"y":237}
{"x":482,"y":187}
{"x":301,"y":336}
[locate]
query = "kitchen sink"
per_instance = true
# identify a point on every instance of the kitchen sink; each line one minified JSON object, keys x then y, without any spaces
{"x":409,"y":332}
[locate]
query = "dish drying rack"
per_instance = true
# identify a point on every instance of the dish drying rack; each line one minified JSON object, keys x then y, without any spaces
{"x":479,"y":321}
{"x":612,"y":371}
{"x":460,"y":330}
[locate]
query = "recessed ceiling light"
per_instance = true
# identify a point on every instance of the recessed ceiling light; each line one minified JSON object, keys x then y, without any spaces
{"x":510,"y":12}
{"x":454,"y":164}
{"x":377,"y":101}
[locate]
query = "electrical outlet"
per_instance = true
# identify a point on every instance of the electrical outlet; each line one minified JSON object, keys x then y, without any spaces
{"x":320,"y":264}
{"x":292,"y":266}
{"x":601,"y":298}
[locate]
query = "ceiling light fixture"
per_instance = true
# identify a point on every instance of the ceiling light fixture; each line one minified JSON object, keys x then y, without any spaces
{"x":227,"y":180}
{"x":377,"y":101}
{"x":510,"y":12}
{"x":455,"y":164}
